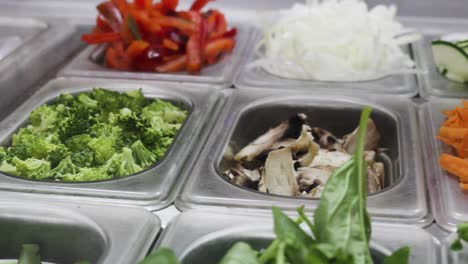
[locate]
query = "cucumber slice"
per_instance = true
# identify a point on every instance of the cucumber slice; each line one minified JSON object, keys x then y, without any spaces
{"x":462,"y":43}
{"x":451,"y":60}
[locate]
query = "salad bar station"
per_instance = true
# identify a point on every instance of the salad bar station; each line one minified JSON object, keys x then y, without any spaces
{"x":234,"y":132}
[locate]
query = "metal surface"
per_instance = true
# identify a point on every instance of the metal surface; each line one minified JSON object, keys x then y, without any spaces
{"x":85,"y":64}
{"x":199,"y":236}
{"x":153,"y":188}
{"x":256,"y":77}
{"x":43,"y":48}
{"x":248,"y":114}
{"x":449,"y":201}
{"x":69,"y":232}
{"x":433,"y":83}
{"x":453,"y":257}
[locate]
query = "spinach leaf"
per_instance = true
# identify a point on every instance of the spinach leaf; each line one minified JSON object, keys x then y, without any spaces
{"x":289,"y":231}
{"x":401,"y":256}
{"x":341,"y":218}
{"x":240,"y":253}
{"x":29,"y":254}
{"x":161,"y":256}
{"x":462,"y":231}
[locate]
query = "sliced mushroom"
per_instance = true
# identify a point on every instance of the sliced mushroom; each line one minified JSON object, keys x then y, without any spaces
{"x":305,"y":143}
{"x":330,"y":158}
{"x":375,"y":177}
{"x":243,"y":176}
{"x":279,"y":176}
{"x":309,"y":178}
{"x":287,"y":129}
{"x":326,"y":139}
{"x":372,"y":138}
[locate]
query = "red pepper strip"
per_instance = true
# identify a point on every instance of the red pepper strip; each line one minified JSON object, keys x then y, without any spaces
{"x":174,"y":65}
{"x":199,"y":4}
{"x":136,"y":48}
{"x":230,"y":34}
{"x":142,"y":17}
{"x":213,"y":49}
{"x":114,"y":60}
{"x":102,"y":25}
{"x":170,"y":44}
{"x":170,"y":4}
{"x":101,"y":37}
{"x":210,"y":20}
{"x":122,"y":5}
{"x":143,"y":4}
{"x":178,"y":23}
{"x":195,"y":45}
{"x":221,"y":25}
{"x":110,"y":12}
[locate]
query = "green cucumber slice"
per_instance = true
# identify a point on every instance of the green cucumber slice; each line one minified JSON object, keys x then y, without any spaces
{"x":451,"y":60}
{"x":462,"y":43}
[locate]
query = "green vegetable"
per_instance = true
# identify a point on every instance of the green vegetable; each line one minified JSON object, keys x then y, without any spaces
{"x":161,"y":256}
{"x":451,"y":60}
{"x":341,"y":228}
{"x":29,"y":254}
{"x":400,"y":256}
{"x":92,"y":136}
{"x":462,"y":231}
{"x":133,"y":28}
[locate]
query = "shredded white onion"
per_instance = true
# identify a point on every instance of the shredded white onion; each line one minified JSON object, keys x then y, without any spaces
{"x":335,"y":40}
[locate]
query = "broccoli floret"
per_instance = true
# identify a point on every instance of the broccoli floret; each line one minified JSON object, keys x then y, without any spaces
{"x":103,"y":147}
{"x":128,"y":165}
{"x":85,"y":100}
{"x":32,"y":168}
{"x":65,"y":167}
{"x":3,"y":154}
{"x":78,"y":142}
{"x":166,"y":110}
{"x":66,"y":99}
{"x":8,"y":168}
{"x":87,"y":174}
{"x":135,"y":100}
{"x":143,"y":156}
{"x":57,"y":155}
{"x":44,"y":118}
{"x":83,"y":158}
{"x":76,"y":121}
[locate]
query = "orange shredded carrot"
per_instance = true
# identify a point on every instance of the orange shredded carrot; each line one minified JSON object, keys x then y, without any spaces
{"x":454,"y":165}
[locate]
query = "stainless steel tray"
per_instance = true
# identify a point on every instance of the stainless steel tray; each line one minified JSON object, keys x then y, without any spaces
{"x":45,"y":45}
{"x":453,"y":257}
{"x":153,"y":188}
{"x":449,"y":202}
{"x":74,"y":231}
{"x":199,"y":236}
{"x":432,"y":83}
{"x":396,"y":84}
{"x":222,"y":72}
{"x":248,"y":113}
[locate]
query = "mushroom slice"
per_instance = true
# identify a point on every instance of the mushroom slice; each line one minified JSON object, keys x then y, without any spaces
{"x":305,"y":143}
{"x":309,"y":178}
{"x":279,"y":176}
{"x":372,"y":138}
{"x":326,"y":139}
{"x":242,"y":176}
{"x":375,"y":177}
{"x":287,"y":129}
{"x":330,"y":158}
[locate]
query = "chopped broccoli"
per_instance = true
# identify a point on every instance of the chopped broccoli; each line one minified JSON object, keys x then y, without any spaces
{"x":32,"y":168}
{"x":143,"y":156}
{"x":92,"y":136}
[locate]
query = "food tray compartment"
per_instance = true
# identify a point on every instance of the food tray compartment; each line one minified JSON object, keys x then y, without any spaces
{"x":72,"y":232}
{"x":453,"y":257}
{"x":16,"y":32}
{"x":42,"y":49}
{"x":256,"y":77}
{"x":203,"y":235}
{"x":449,"y":201}
{"x":249,"y":113}
{"x":153,"y":187}
{"x":89,"y":64}
{"x":433,"y":83}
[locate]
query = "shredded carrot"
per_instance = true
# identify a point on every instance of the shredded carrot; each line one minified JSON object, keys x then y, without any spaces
{"x":454,"y":132}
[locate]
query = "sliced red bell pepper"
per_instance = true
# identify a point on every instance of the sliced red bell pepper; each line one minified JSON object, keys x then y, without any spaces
{"x":221,"y":25}
{"x":114,"y":60}
{"x":174,"y":65}
{"x":122,"y":5}
{"x":199,"y":4}
{"x":168,"y":43}
{"x":195,"y":45}
{"x":102,"y":25}
{"x":99,"y":38}
{"x":179,"y":23}
{"x":135,"y":49}
{"x":170,"y":4}
{"x":215,"y":48}
{"x":142,"y":18}
{"x":111,"y":13}
{"x":231,"y":33}
{"x":144,"y":4}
